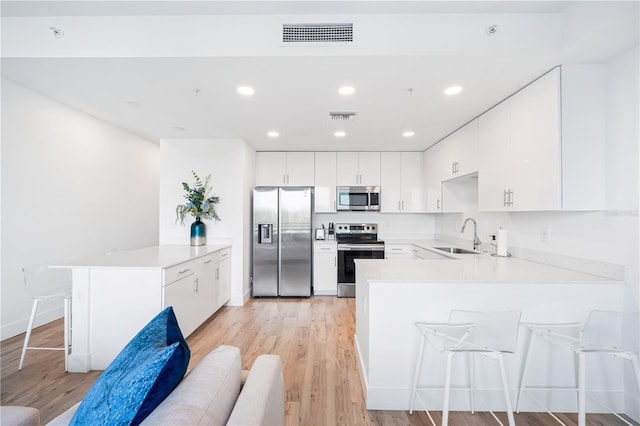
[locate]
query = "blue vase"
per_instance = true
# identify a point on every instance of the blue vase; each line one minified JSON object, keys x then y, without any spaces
{"x":198,"y":233}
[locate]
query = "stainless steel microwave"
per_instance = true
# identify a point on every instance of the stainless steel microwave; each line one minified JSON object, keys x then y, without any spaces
{"x":358,"y":198}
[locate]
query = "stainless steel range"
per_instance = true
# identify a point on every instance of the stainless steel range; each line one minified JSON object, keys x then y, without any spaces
{"x":355,"y":241}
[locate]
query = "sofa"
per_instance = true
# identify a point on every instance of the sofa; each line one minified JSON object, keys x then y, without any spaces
{"x":212,"y":393}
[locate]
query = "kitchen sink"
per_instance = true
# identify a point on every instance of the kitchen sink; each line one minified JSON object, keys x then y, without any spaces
{"x":455,"y":250}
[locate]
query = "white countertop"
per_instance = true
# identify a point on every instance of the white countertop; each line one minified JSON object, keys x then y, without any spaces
{"x":156,"y":257}
{"x":480,"y":267}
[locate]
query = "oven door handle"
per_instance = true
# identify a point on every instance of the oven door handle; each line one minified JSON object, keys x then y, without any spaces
{"x":359,"y":247}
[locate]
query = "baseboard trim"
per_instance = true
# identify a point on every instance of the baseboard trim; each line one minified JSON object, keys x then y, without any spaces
{"x":20,"y":326}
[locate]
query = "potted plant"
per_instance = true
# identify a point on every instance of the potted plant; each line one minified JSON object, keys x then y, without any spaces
{"x":201,"y":204}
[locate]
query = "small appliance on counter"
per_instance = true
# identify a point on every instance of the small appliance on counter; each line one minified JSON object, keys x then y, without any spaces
{"x":331,"y":233}
{"x":320,"y":233}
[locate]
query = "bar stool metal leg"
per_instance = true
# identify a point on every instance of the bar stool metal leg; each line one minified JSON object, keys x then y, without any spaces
{"x":414,"y":388}
{"x":67,"y":331}
{"x":505,"y":387}
{"x":525,"y":371}
{"x":472,"y":378}
{"x":28,"y":333}
{"x":447,"y":389}
{"x":582,"y":390}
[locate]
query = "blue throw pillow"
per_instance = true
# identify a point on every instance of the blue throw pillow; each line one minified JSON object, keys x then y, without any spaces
{"x":143,"y":374}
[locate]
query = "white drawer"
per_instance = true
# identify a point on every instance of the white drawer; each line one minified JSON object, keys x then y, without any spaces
{"x":179,"y":271}
{"x":223,"y":254}
{"x":325,"y":248}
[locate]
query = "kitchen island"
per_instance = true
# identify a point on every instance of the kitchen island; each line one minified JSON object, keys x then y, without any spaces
{"x":115,"y":295}
{"x":393,"y":294}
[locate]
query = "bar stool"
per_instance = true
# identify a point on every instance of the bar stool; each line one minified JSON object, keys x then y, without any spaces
{"x":601,"y":333}
{"x":44,"y":283}
{"x":490,"y":334}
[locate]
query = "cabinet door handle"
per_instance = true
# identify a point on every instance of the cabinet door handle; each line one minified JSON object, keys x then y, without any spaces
{"x":224,"y":255}
{"x":504,"y":198}
{"x":195,"y":286}
{"x":208,"y":261}
{"x":217,"y":273}
{"x":395,"y":249}
{"x":438,"y":204}
{"x":399,"y":209}
{"x":511,"y":198}
{"x":334,"y":205}
{"x":335,"y":261}
{"x":402,"y":205}
{"x":184,"y":271}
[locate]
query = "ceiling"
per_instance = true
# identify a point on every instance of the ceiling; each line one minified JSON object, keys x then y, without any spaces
{"x":195,"y":97}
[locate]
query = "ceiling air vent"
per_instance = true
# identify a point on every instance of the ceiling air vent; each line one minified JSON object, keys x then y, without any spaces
{"x":342,"y":116}
{"x":317,"y":33}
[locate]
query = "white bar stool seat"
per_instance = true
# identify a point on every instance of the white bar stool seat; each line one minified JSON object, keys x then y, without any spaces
{"x":491,"y":334}
{"x":601,"y":333}
{"x":45,"y":283}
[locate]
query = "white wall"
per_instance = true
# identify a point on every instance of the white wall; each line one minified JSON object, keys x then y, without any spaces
{"x":611,"y":236}
{"x":390,"y":225}
{"x":231,"y":164}
{"x":72,"y":186}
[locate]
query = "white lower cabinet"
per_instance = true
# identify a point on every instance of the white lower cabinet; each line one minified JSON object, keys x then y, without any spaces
{"x":180,"y":294}
{"x":397,"y":251}
{"x":325,"y":269}
{"x":223,"y":284}
{"x":197,"y":289}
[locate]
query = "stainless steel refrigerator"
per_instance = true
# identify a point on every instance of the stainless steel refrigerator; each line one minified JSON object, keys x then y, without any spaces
{"x":282,"y":241}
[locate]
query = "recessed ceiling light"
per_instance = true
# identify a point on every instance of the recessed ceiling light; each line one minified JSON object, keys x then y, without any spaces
{"x":246,"y":90}
{"x":346,"y":90}
{"x":273,"y":134}
{"x":453,"y":90}
{"x":408,"y":134}
{"x":340,"y":134}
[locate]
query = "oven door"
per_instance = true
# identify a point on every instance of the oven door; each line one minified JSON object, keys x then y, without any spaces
{"x":347,"y":253}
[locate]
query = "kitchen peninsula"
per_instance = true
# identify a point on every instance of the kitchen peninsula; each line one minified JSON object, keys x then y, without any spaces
{"x":116,"y":294}
{"x":393,"y":294}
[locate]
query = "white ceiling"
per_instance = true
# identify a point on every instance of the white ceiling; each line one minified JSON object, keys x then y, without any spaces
{"x":156,"y":96}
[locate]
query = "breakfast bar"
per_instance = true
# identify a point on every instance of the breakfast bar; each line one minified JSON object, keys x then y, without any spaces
{"x":392,"y":295}
{"x":115,"y":295}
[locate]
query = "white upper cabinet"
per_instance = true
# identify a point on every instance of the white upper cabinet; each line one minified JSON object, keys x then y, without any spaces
{"x":434,"y":174}
{"x":493,"y":139}
{"x":284,"y":168}
{"x":325,"y":182}
{"x":401,"y":182}
{"x":535,"y":180}
{"x":543,"y":148}
{"x":358,"y":169}
{"x":460,"y":151}
{"x":520,"y":145}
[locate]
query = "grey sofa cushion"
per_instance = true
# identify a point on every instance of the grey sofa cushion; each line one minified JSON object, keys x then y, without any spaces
{"x":19,"y":416}
{"x":206,"y":395}
{"x":261,"y":401}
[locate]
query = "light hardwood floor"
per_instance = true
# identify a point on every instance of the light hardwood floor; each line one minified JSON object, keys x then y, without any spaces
{"x":313,"y":336}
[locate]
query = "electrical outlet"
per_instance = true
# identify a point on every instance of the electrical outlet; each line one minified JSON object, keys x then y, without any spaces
{"x":545,"y":235}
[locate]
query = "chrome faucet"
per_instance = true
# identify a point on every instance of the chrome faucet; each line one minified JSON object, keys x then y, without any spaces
{"x":476,"y":240}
